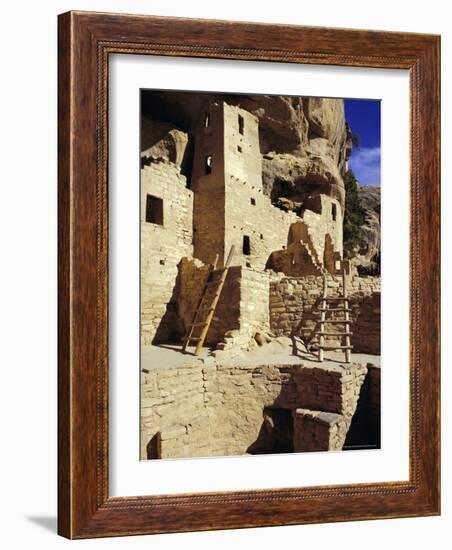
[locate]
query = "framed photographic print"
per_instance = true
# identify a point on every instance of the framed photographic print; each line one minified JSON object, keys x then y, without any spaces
{"x":248,"y":275}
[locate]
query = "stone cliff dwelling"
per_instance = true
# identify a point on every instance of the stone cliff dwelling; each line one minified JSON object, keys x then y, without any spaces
{"x":258,"y":179}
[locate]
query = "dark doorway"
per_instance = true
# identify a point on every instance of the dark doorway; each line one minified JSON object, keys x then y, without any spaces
{"x":276,"y":433}
{"x":246,"y":245}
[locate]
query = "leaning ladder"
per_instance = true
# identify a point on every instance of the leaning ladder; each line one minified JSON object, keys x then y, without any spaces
{"x":342,"y":306}
{"x":205,"y":309}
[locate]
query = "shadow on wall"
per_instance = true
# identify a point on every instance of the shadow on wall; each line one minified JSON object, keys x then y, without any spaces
{"x":153,"y":448}
{"x":365,"y":430}
{"x":170,"y":328}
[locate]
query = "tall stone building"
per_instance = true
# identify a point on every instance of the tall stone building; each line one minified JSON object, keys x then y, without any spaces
{"x":224,"y":207}
{"x":230,"y":207}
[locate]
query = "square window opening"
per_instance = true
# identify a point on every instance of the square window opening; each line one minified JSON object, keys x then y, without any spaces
{"x":154,"y":210}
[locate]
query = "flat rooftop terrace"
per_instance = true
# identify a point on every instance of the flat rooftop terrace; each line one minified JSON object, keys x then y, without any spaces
{"x":282,"y":351}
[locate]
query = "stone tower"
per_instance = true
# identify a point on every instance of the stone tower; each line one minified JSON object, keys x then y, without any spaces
{"x":230,"y":207}
{"x":227,"y":182}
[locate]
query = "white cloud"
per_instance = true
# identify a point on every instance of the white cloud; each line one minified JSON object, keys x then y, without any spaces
{"x":365,"y":164}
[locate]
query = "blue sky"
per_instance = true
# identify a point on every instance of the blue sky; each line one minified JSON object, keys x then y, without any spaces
{"x":363,"y":115}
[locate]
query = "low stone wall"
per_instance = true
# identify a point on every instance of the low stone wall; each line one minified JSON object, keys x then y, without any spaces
{"x":293,"y":299}
{"x":318,"y":431}
{"x":228,"y":410}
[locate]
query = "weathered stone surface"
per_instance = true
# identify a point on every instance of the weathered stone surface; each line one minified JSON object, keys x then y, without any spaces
{"x":298,"y":179}
{"x":171,"y":147}
{"x":367,"y":257}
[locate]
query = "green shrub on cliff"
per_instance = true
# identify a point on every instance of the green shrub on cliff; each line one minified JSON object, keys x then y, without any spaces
{"x":354,"y":215}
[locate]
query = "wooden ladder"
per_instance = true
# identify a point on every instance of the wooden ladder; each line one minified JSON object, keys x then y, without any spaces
{"x":342,"y":306}
{"x":205,"y":310}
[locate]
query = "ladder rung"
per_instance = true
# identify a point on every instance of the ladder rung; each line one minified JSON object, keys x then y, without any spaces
{"x":334,"y":333}
{"x":335,"y":347}
{"x":189,"y":338}
{"x":334,"y":298}
{"x":347,"y":310}
{"x":333,"y":321}
{"x":215,"y":282}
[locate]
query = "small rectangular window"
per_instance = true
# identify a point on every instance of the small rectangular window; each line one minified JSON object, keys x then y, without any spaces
{"x":333,"y":212}
{"x":253,"y":202}
{"x":241,"y":124}
{"x":239,"y":149}
{"x":246,"y":245}
{"x":154,"y":210}
{"x":208,"y":164}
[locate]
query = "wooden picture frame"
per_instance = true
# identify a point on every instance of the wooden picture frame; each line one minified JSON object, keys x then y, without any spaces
{"x":85,"y":508}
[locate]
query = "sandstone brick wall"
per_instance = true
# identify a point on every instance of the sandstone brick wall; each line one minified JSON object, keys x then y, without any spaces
{"x":292,"y":300}
{"x":254,"y":301}
{"x":250,"y":213}
{"x":219,"y":410}
{"x":323,"y":223}
{"x":241,"y":148}
{"x":208,"y":213}
{"x":162,"y":247}
{"x":366,"y":329}
{"x":317,"y":431}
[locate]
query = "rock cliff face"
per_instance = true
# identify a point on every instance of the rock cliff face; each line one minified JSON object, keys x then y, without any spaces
{"x":304,"y":141}
{"x":366,"y":255}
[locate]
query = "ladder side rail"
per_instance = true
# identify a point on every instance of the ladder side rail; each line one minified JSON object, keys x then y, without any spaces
{"x":322,"y":320}
{"x":346,"y":318}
